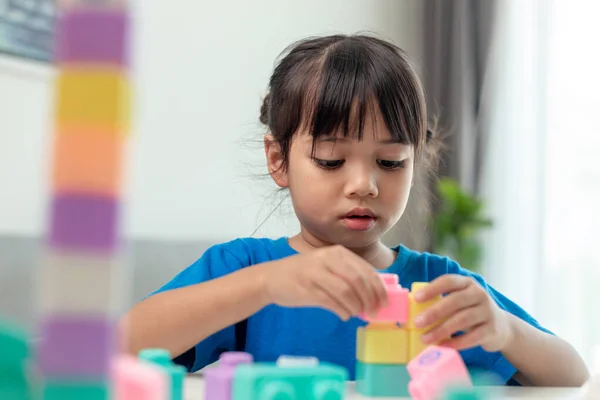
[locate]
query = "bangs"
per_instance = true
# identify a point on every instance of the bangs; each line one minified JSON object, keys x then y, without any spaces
{"x":354,"y":79}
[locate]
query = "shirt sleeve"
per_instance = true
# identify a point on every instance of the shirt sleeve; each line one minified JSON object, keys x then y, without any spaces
{"x":495,"y":362}
{"x":215,"y":263}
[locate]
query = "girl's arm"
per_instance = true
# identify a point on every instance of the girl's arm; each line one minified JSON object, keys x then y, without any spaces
{"x":178,"y":319}
{"x":542,"y":359}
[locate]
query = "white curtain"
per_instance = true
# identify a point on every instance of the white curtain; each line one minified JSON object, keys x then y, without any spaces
{"x":542,"y":179}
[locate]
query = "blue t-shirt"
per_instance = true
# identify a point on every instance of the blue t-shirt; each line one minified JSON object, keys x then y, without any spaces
{"x":275,"y":330}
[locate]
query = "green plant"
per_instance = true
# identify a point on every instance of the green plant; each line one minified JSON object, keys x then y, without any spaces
{"x":457,"y":224}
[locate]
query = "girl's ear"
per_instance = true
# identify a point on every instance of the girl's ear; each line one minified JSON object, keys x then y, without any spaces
{"x":275,"y":161}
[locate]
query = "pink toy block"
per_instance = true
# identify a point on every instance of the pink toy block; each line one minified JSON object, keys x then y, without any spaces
{"x":434,"y":370}
{"x":138,"y":380}
{"x":397,"y":308}
{"x":219,"y":379}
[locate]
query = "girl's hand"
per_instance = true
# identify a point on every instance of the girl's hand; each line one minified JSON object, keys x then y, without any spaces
{"x":467,"y":308}
{"x":331,"y":277}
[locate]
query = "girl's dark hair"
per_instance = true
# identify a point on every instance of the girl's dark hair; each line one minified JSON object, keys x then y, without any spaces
{"x":333,"y":82}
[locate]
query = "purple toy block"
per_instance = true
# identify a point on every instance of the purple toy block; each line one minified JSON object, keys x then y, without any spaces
{"x":93,"y":35}
{"x":218,"y":380}
{"x":76,"y":347}
{"x":84,"y":221}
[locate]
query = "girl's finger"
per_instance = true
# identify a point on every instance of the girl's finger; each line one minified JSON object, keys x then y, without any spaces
{"x":444,"y":284}
{"x":323,"y":299}
{"x":468,"y":340}
{"x":357,"y":281}
{"x":451,"y":304}
{"x":464,"y":320}
{"x":340,"y":290}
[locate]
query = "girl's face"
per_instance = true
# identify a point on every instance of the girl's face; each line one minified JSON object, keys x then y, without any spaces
{"x":352,"y":192}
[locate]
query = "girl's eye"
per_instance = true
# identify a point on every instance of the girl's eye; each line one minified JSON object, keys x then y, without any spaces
{"x":328,"y":164}
{"x":387,"y":164}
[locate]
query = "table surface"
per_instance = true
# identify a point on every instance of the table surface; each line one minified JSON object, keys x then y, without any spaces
{"x":194,"y":390}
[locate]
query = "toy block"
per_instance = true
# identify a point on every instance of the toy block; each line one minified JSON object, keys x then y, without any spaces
{"x":175,"y":373}
{"x":14,"y":345}
{"x":84,"y":221}
{"x":464,"y":393}
{"x":268,"y":381}
{"x":417,"y":308}
{"x":218,"y":380}
{"x":382,"y":344}
{"x":136,"y":379}
{"x":14,"y":353}
{"x":88,"y":162}
{"x":435,"y":370}
{"x":96,"y":98}
{"x":382,"y":380}
{"x":73,"y":390}
{"x":93,"y":35}
{"x":285,"y":361}
{"x":415,"y":344}
{"x":397,"y":308}
{"x":77,"y":283}
{"x":76,"y":347}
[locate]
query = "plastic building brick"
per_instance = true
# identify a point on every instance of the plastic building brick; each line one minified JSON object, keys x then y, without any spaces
{"x":268,"y":381}
{"x":175,"y":373}
{"x":435,"y":370}
{"x":219,"y":379}
{"x":417,"y":308}
{"x":397,"y":308}
{"x":296,"y":361}
{"x":76,"y":390}
{"x":415,"y":344}
{"x":14,"y":353}
{"x":136,"y":379}
{"x":382,"y":380}
{"x":382,"y":344}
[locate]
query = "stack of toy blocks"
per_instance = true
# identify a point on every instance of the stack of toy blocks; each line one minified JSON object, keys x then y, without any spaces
{"x":389,"y":342}
{"x":236,"y":377}
{"x":82,"y":265}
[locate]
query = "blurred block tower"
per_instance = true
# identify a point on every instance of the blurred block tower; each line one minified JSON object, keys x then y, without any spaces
{"x":82,"y":267}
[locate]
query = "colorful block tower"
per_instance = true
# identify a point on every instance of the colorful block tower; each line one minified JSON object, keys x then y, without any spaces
{"x":82,"y":268}
{"x":389,"y":342}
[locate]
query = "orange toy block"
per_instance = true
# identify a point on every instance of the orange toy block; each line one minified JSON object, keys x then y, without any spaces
{"x":382,"y":344}
{"x":93,"y":97}
{"x":89,"y":161}
{"x":415,"y":308}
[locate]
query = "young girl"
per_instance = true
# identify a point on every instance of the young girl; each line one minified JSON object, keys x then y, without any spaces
{"x":346,"y":121}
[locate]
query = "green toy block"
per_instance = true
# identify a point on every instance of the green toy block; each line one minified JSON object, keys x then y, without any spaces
{"x":464,"y":393}
{"x":267,"y":381}
{"x":14,"y":343}
{"x":176,"y":373}
{"x":382,"y":380}
{"x":14,"y":385}
{"x":161,"y":357}
{"x":62,"y":390}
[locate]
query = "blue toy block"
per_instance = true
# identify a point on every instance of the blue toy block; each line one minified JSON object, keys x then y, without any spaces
{"x":262,"y":381}
{"x":176,"y":373}
{"x":382,"y":380}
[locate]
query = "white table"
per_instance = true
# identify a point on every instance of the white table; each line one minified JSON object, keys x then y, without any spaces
{"x":194,"y":390}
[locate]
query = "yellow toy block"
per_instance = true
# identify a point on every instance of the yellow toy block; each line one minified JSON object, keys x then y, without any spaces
{"x":415,"y":344}
{"x":382,"y":344}
{"x":415,"y":308}
{"x":93,"y":98}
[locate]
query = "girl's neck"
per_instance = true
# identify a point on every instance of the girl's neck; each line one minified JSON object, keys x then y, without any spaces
{"x":377,"y":254}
